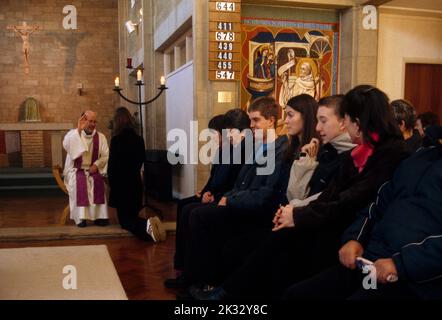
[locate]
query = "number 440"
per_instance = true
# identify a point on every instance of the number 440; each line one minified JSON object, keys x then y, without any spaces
{"x":225,"y":55}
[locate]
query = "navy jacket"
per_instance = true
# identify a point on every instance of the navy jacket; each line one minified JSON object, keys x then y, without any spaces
{"x":261,"y":193}
{"x":405,"y":223}
{"x":223,"y":175}
{"x":414,"y":142}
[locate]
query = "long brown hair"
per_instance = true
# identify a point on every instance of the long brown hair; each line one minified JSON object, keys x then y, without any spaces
{"x":307,"y":107}
{"x":123,"y":120}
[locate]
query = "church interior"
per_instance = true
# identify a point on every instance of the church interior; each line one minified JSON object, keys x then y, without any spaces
{"x":174,"y":65}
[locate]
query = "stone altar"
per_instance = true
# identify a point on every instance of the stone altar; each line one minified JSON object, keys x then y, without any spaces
{"x":31,"y":135}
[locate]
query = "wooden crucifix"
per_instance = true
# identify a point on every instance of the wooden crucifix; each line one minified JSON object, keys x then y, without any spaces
{"x":24,"y":31}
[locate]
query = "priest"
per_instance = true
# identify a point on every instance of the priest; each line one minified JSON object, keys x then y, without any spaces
{"x":86,"y":165}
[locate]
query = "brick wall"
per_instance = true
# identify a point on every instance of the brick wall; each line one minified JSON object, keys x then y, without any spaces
{"x":47,"y":149}
{"x":32,"y":149}
{"x":60,"y":59}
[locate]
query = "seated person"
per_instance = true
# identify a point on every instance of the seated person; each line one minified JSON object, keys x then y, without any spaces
{"x":222,"y":178}
{"x":86,"y":164}
{"x":426,"y":119}
{"x":405,"y":115}
{"x":216,"y":125}
{"x":305,"y":239}
{"x":400,"y":233}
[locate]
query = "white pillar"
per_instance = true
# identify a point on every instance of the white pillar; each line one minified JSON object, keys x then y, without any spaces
{"x":167,"y":69}
{"x":189,"y":49}
{"x":177,"y":56}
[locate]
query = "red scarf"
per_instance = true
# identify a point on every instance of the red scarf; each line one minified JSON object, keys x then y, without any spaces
{"x":362,"y":152}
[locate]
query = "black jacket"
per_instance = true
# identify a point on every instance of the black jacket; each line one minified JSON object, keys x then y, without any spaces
{"x":405,"y":223}
{"x":414,"y":142}
{"x":350,"y":191}
{"x":328,"y":166}
{"x":261,"y":193}
{"x":223,"y":174}
{"x":126,"y":157}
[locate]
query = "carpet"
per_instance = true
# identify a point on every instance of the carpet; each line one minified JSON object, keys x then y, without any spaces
{"x":59,"y":273}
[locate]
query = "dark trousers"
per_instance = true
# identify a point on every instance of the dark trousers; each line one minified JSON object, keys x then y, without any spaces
{"x":183,"y":202}
{"x":237,"y":249}
{"x":184,"y":209}
{"x":130,"y":221}
{"x":339,"y":283}
{"x":283,"y":258}
{"x":212,"y":229}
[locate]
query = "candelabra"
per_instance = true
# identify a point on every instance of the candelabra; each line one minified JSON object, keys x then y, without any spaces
{"x":140,"y":104}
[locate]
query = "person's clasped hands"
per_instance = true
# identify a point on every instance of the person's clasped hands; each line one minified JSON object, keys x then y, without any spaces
{"x":283,"y":218}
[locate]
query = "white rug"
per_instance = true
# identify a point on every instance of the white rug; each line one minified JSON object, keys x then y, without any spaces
{"x":53,"y":273}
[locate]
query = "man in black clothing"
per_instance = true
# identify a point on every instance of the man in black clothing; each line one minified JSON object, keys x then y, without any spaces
{"x":405,"y":115}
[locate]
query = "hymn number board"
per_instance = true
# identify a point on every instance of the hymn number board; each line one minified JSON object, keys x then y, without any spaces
{"x":224,"y":40}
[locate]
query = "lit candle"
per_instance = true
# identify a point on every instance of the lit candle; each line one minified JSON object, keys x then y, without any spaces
{"x":139,"y":75}
{"x":163,"y":80}
{"x":117,"y":82}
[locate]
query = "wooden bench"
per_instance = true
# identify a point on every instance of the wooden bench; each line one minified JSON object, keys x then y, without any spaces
{"x":57,"y":172}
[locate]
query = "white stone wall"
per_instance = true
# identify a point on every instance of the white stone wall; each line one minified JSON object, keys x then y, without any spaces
{"x":405,"y":39}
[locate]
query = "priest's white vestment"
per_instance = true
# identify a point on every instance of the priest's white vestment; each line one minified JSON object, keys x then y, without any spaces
{"x":87,"y":200}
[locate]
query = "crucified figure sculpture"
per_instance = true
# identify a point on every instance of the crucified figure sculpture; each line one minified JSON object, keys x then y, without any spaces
{"x":24,"y":31}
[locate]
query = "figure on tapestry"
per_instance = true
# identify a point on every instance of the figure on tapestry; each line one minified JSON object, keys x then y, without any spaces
{"x":264,"y":65}
{"x":294,"y":84}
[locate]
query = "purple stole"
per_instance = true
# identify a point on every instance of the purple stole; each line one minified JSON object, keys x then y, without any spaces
{"x":82,"y":194}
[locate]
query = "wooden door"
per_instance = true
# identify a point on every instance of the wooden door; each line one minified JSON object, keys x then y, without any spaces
{"x":423,"y":87}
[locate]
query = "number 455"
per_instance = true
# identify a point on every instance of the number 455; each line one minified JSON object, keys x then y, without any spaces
{"x":225,"y":65}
